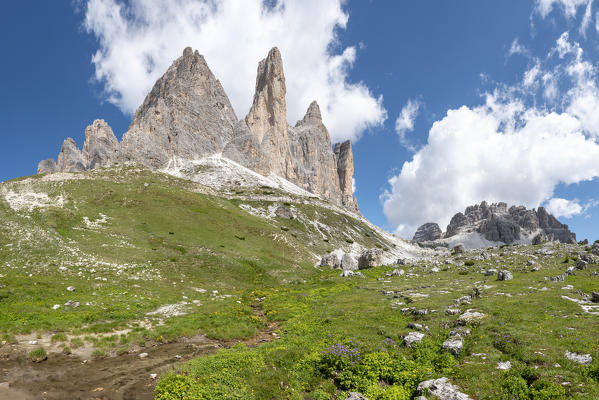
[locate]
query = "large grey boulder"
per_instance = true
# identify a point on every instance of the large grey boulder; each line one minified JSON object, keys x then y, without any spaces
{"x":349,"y":262}
{"x":504,"y":276}
{"x":330,"y":260}
{"x":370,"y":258}
{"x":427,"y":232}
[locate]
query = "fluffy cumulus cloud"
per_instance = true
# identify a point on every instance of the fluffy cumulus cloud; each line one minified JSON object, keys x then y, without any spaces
{"x":564,"y":208}
{"x":505,"y":150}
{"x":139,"y":39}
{"x":405,"y":122}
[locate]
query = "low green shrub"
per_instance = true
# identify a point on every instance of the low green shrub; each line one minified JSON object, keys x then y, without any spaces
{"x":38,"y":355}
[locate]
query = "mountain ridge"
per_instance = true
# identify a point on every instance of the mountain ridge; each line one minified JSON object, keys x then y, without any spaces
{"x":187,"y":115}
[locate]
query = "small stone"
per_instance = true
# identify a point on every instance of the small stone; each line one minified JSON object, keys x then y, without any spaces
{"x":491,"y":272}
{"x":33,"y":342}
{"x":452,"y":311}
{"x":178,"y":357}
{"x":530,"y":263}
{"x":71,"y":288}
{"x":397,"y":272}
{"x":595,"y":297}
{"x":56,"y":306}
{"x":143,"y":355}
{"x":72,"y":303}
{"x":153,"y":376}
{"x":347,"y":274}
{"x":413,"y":337}
{"x":584,"y":359}
{"x":506,"y":366}
{"x":435,"y":269}
{"x":356,"y":396}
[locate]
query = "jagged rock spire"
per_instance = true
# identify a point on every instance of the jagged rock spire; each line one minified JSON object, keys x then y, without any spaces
{"x":187,"y":114}
{"x":267,"y":118}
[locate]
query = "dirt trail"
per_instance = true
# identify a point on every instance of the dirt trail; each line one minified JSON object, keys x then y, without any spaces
{"x":124,"y":377}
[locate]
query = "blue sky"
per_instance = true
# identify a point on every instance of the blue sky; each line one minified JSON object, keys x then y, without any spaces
{"x":502,"y":143}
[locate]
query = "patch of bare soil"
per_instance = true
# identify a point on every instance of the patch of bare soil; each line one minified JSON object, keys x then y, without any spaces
{"x":124,"y":377}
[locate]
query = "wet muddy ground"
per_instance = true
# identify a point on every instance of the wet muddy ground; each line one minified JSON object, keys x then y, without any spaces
{"x":124,"y":377}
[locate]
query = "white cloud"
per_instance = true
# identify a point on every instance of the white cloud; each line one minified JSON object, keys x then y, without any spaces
{"x":405,"y":122}
{"x":140,"y":39}
{"x":530,"y":76}
{"x":569,"y":8}
{"x":499,"y":151}
{"x":517,"y":48}
{"x":564,"y":208}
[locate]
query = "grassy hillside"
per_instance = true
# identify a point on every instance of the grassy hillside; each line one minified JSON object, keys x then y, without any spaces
{"x":151,"y":258}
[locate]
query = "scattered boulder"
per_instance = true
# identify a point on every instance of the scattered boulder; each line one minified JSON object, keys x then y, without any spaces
{"x":442,"y":389}
{"x":595,"y":297}
{"x":470,"y":316}
{"x":143,"y":355}
{"x":504,"y":276}
{"x":397,"y":272}
{"x":349,"y":262}
{"x":506,"y":366}
{"x":595,"y":248}
{"x":581,"y":264}
{"x":587,"y":258}
{"x":539,"y":239}
{"x":413,"y":337}
{"x":491,"y":272}
{"x":458,"y":249}
{"x":284,"y":212}
{"x":370,"y":258}
{"x":330,"y":260}
{"x":454,"y":345}
{"x":584,"y":359}
{"x":584,"y":242}
{"x":72,"y":303}
{"x":71,"y":288}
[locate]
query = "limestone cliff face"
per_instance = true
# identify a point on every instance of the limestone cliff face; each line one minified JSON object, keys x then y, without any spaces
{"x":345,"y":168}
{"x":314,"y":162}
{"x":267,"y":118}
{"x":188,"y":115}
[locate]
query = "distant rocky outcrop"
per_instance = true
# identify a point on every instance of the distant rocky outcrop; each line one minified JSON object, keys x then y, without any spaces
{"x":498,"y":223}
{"x":187,"y":115}
{"x":427,"y":232}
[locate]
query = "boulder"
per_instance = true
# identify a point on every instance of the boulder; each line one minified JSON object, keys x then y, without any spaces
{"x":470,"y":316}
{"x":457,"y":249}
{"x":442,"y":389}
{"x":349,"y":262}
{"x":330,"y":260}
{"x":413,"y":337}
{"x":370,"y":258}
{"x":595,"y":297}
{"x":454,"y":345}
{"x":284,"y":212}
{"x":504,"y":276}
{"x":46,"y":166}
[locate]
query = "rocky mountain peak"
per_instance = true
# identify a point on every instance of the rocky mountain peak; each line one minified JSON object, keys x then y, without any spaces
{"x":188,"y":116}
{"x":312,"y":116}
{"x":499,"y":223}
